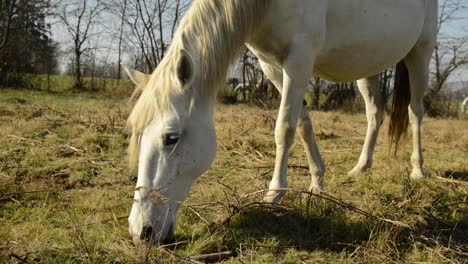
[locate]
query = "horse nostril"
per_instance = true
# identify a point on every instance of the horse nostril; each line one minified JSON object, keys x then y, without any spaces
{"x":146,"y":233}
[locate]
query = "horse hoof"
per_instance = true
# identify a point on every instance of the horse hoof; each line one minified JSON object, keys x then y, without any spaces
{"x":417,"y":174}
{"x":273,"y":197}
{"x":316,"y":188}
{"x":360,"y":168}
{"x":355,"y":172}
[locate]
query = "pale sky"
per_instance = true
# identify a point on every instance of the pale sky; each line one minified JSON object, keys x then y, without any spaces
{"x":455,"y":28}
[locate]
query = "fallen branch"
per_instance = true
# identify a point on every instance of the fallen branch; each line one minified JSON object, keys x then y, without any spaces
{"x":183,"y":242}
{"x":460,"y":250}
{"x":75,"y":149}
{"x":173,"y":256}
{"x":22,"y":260}
{"x":451,"y":180}
{"x":23,"y":139}
{"x":213,"y":257}
{"x":61,"y":114}
{"x":290,"y":166}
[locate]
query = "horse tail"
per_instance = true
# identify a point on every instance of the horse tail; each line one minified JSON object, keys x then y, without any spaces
{"x":399,"y":112}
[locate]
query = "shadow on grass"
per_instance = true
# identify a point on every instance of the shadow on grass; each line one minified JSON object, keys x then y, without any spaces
{"x":329,"y":228}
{"x":332,"y":228}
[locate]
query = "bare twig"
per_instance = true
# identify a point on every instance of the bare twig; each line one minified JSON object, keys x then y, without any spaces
{"x":214,"y":257}
{"x":451,"y":180}
{"x":339,"y":202}
{"x":22,"y":260}
{"x":197,"y":214}
{"x":183,"y":242}
{"x":75,"y":149}
{"x":23,"y":139}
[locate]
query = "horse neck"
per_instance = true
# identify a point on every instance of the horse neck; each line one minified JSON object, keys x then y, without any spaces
{"x":214,"y":33}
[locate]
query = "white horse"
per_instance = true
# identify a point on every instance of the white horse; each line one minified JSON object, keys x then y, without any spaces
{"x":242,"y":87}
{"x":463,"y":105}
{"x":174,"y":139}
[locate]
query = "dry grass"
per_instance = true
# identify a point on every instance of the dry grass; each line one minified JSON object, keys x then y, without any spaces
{"x":65,"y":191}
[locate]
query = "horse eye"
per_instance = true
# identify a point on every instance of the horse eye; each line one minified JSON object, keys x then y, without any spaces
{"x":170,"y":139}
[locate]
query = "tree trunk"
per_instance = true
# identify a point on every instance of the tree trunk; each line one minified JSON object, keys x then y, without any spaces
{"x":161,"y":36}
{"x":79,"y":79}
{"x":119,"y":64}
{"x":316,"y":102}
{"x":10,"y":7}
{"x":244,"y":68}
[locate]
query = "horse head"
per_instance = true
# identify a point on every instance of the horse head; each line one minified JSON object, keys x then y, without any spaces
{"x":173,"y":142}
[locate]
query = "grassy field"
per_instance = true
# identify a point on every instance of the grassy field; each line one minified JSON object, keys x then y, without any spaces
{"x":66,"y":192}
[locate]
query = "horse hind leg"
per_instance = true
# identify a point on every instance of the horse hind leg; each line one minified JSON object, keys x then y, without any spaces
{"x":417,"y":62}
{"x":370,"y":91}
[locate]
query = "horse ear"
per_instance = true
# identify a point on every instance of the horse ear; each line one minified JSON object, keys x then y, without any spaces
{"x":139,"y":78}
{"x":185,"y":68}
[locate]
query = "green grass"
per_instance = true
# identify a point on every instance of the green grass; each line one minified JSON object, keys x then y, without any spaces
{"x":66,"y":192}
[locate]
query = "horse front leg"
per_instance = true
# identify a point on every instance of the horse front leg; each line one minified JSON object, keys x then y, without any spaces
{"x":316,"y":165}
{"x":304,"y":130}
{"x":370,"y":91}
{"x":295,"y":79}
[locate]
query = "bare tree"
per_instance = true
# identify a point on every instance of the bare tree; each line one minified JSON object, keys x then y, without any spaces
{"x":121,"y":30}
{"x":176,"y":17}
{"x":161,"y":31}
{"x":25,"y":43}
{"x":385,"y":79}
{"x":7,"y":11}
{"x":151,"y":25}
{"x":316,"y":83}
{"x":79,"y":18}
{"x":142,"y":21}
{"x":451,"y":51}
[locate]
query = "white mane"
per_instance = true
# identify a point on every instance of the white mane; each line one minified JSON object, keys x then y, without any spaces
{"x":212,"y":32}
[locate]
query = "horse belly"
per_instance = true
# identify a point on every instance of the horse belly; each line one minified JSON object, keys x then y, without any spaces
{"x":364,"y":37}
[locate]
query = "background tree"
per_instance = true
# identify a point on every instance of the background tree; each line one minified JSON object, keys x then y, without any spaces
{"x":121,"y":8}
{"x":26,"y":44}
{"x":385,"y":83}
{"x":80,"y":19}
{"x":151,"y":25}
{"x":316,"y":84}
{"x":451,"y":51}
{"x":8,"y":9}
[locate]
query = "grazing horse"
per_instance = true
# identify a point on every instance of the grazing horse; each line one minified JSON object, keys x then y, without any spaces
{"x":463,"y":105}
{"x":232,"y":81}
{"x":242,"y":87}
{"x":173,"y":137}
{"x":264,"y":89}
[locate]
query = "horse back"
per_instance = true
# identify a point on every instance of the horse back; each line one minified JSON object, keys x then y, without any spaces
{"x":361,"y":37}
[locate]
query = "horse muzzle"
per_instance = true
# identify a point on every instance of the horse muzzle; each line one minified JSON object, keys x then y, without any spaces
{"x":149,"y":236}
